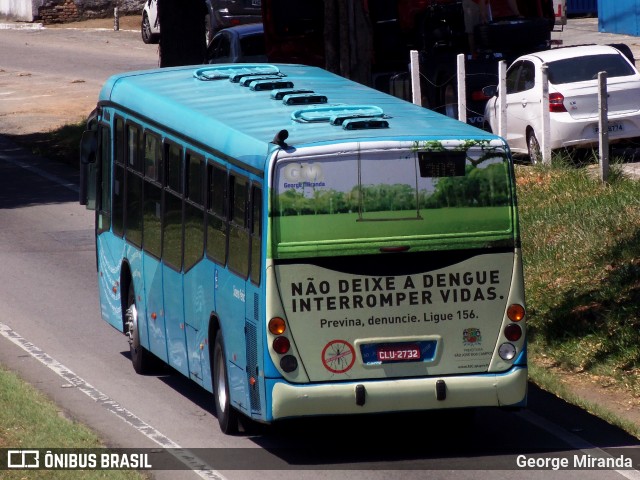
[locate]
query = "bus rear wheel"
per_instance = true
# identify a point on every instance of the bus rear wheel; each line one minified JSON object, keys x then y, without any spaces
{"x":227,"y":415}
{"x":140,"y":357}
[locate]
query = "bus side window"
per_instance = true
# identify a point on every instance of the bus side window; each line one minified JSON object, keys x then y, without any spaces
{"x":152,"y":207}
{"x":172,"y":212}
{"x":104,"y":205}
{"x":194,"y":211}
{"x":152,"y":157}
{"x":238,"y":226}
{"x":217,"y":214}
{"x":118,"y":177}
{"x":133,"y":186}
{"x":256,"y":233}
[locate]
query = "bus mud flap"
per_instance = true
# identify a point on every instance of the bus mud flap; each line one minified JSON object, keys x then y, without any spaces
{"x":361,"y":394}
{"x":441,"y":390}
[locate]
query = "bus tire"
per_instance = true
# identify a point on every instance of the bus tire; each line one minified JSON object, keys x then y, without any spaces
{"x":227,"y":415}
{"x":140,"y":357}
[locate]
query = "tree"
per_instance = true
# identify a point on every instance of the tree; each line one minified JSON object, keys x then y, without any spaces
{"x":348,"y":39}
{"x":182,"y":32}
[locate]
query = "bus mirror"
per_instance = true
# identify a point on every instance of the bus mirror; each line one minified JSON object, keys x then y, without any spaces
{"x":88,"y":146}
{"x":88,"y":168}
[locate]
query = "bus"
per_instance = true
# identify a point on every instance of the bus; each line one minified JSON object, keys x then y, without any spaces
{"x":301,"y":245}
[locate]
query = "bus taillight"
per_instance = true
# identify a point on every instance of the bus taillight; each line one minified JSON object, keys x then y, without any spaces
{"x":515,"y":312}
{"x":513,"y":332}
{"x":277,"y":326}
{"x":281,"y":345}
{"x":507,"y":351}
{"x":288,"y":363}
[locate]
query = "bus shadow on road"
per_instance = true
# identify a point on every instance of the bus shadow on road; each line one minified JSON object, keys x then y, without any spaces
{"x":490,"y":438}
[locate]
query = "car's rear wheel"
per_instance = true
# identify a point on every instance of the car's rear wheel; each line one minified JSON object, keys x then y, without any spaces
{"x":533,"y":148}
{"x":147,"y":35}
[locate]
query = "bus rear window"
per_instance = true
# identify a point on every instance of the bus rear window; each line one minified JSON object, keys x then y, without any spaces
{"x":364,"y":196}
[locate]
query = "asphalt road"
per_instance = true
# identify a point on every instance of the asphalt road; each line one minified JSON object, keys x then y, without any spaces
{"x":51,"y":332}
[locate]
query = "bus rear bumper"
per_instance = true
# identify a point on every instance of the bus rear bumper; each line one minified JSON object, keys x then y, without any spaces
{"x":410,"y":394}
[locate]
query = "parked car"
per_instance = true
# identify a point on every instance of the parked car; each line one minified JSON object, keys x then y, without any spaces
{"x":573,"y":98}
{"x":221,"y":14}
{"x":244,"y":43}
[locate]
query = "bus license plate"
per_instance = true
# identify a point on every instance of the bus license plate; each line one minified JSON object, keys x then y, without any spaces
{"x":399,"y":353}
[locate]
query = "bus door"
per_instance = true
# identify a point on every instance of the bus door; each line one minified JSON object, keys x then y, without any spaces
{"x":198,"y":294}
{"x":172,"y":255}
{"x":152,"y":227}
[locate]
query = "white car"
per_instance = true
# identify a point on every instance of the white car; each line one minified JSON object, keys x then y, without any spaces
{"x":221,"y":14}
{"x":573,"y":98}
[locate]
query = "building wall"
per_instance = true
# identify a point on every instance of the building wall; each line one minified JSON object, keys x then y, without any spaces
{"x":619,"y":16}
{"x":62,"y":11}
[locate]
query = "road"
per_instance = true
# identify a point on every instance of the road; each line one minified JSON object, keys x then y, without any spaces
{"x":52,"y":335}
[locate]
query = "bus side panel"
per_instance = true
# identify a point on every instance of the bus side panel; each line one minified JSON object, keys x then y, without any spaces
{"x":198,"y":303}
{"x":254,"y":330}
{"x":230,"y":303}
{"x":174,"y":320}
{"x":157,"y":340}
{"x":110,"y":251}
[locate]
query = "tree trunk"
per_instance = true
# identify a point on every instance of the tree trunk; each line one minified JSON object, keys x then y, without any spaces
{"x":348,"y":39}
{"x":182,"y":32}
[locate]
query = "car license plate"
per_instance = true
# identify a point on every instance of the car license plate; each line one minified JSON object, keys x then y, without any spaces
{"x":399,"y":353}
{"x":613,"y":127}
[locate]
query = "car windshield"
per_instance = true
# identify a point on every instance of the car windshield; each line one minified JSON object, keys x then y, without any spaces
{"x":579,"y":69}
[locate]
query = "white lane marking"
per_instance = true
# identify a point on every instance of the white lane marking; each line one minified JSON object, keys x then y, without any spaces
{"x":38,"y":171}
{"x":572,"y":440}
{"x":199,"y":467}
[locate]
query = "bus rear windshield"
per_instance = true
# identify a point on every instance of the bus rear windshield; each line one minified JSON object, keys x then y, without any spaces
{"x":390,"y":195}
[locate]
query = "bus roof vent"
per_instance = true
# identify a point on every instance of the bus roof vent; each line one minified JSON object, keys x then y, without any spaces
{"x":304,"y":99}
{"x":279,"y":93}
{"x":269,"y":84}
{"x":235,"y":72}
{"x":247,"y":79}
{"x":341,"y":119}
{"x":337,"y":114}
{"x":364,"y":123}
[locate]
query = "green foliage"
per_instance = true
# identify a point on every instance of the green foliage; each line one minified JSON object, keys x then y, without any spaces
{"x":30,"y":420}
{"x":581,"y":251}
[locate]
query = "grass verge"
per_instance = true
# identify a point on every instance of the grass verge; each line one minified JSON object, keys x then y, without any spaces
{"x":30,"y":420}
{"x":581,"y":251}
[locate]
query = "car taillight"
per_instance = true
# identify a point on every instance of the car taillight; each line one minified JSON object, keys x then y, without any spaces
{"x":556,"y":102}
{"x":479,"y":96}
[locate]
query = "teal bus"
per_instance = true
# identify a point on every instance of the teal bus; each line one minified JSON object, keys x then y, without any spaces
{"x":300,"y":245}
